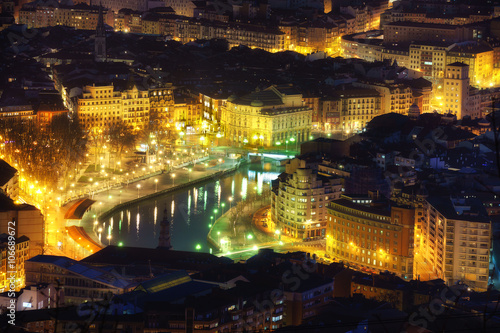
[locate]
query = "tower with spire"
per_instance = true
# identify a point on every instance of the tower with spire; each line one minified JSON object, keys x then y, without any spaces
{"x":164,"y":241}
{"x":100,"y":38}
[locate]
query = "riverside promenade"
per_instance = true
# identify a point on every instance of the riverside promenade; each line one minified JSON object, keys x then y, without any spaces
{"x":234,"y":234}
{"x":133,"y":192}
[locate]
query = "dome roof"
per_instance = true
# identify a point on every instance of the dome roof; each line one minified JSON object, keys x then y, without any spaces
{"x":414,"y":111}
{"x":232,"y":98}
{"x":257,"y":103}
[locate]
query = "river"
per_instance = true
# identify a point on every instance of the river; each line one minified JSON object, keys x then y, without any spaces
{"x":189,"y":211}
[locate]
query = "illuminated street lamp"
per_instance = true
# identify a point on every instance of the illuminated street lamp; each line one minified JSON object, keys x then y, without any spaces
{"x":138,"y":188}
{"x":223,"y":205}
{"x":189,"y":173}
{"x":292,"y":139}
{"x":156,"y":185}
{"x":109,"y":239}
{"x":173,"y":179}
{"x":230,"y":202}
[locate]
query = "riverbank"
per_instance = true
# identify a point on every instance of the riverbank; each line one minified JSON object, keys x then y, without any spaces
{"x":235,"y":232}
{"x":170,"y":190}
{"x":118,"y":197}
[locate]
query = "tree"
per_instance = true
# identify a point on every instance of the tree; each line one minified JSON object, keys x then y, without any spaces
{"x":121,"y":137}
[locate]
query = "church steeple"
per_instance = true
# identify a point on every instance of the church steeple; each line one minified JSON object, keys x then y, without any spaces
{"x":100,"y":38}
{"x":164,"y":241}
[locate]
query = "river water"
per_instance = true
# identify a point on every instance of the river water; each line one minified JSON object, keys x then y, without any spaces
{"x":189,"y":211}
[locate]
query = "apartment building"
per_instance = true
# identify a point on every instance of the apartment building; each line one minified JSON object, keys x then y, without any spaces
{"x":429,"y":58}
{"x":187,"y":113}
{"x":29,"y":222}
{"x":271,"y":40}
{"x":298,"y":206}
{"x":266,"y":117}
{"x":80,"y":16}
{"x":182,"y":7}
{"x":211,"y":108}
{"x":356,"y":107}
{"x":321,"y":34}
{"x":161,"y":103}
{"x":394,"y":97}
{"x":22,"y":248}
{"x":369,"y":234}
{"x":478,"y":56}
{"x":453,"y":235}
{"x":406,"y":31}
{"x":104,"y":106}
{"x":456,"y":89}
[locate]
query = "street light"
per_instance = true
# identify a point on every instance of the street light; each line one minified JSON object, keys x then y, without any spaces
{"x":156,"y":185}
{"x":293,"y":140}
{"x":230,"y":202}
{"x":223,"y":205}
{"x":138,"y":188}
{"x":173,"y":179}
{"x":109,"y":239}
{"x":189,"y":173}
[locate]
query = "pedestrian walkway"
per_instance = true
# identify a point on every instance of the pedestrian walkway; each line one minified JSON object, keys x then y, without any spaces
{"x":107,"y":200}
{"x":235,"y":231}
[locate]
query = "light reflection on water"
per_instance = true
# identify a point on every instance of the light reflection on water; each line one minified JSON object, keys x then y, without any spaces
{"x":190,"y":210}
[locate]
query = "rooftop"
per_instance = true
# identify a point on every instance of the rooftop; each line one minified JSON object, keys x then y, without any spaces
{"x":83,"y":269}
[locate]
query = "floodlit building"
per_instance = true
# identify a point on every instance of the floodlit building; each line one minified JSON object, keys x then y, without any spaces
{"x":267,"y":117}
{"x":161,"y":103}
{"x":29,"y":222}
{"x":298,"y":206}
{"x":456,"y":89}
{"x":367,"y":233}
{"x":22,"y":248}
{"x":453,"y":235}
{"x":104,"y":106}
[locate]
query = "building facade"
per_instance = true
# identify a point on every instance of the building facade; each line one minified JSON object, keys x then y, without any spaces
{"x":456,"y":89}
{"x":369,"y":235}
{"x":267,"y":117}
{"x":7,"y":272}
{"x":455,"y":240}
{"x":103,"y":106}
{"x":298,"y":203}
{"x":357,"y":107}
{"x":161,"y":102}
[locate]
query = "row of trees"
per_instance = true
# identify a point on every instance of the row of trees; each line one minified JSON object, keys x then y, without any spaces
{"x":43,"y":154}
{"x":50,"y":154}
{"x":122,"y":137}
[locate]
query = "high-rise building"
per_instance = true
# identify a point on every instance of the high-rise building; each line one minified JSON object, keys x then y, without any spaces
{"x":299,"y":201}
{"x":453,"y":239}
{"x":368,"y":233}
{"x":6,"y":269}
{"x":456,"y":89}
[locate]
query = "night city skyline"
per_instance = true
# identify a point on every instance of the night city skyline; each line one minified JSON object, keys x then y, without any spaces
{"x":249,"y":166}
